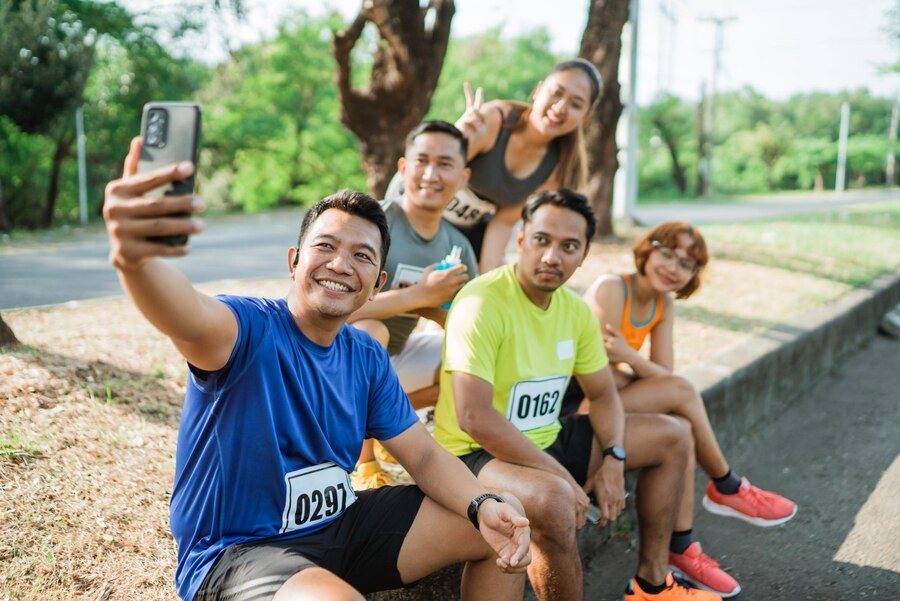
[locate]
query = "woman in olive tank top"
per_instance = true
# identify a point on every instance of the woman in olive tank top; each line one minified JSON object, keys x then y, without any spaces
{"x":517,"y":149}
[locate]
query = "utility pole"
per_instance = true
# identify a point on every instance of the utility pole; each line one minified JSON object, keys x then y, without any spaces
{"x":709,"y":116}
{"x":82,"y":170}
{"x":892,"y":136}
{"x":631,"y":150}
{"x":840,"y":179}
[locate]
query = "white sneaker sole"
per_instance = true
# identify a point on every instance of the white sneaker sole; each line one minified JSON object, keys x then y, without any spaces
{"x":681,"y":575}
{"x":713,"y":507}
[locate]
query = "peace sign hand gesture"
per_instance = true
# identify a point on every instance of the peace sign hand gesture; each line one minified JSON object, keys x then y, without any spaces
{"x":473,"y":123}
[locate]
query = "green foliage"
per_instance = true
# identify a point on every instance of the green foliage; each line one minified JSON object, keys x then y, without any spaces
{"x":272,"y":123}
{"x":506,"y":69}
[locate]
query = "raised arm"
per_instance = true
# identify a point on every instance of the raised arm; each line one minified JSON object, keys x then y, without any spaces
{"x":480,"y":123}
{"x":203,"y":330}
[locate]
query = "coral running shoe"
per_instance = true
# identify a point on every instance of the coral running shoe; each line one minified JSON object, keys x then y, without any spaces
{"x":751,"y":504}
{"x":702,"y":571}
{"x":370,"y":475}
{"x":674,"y":591}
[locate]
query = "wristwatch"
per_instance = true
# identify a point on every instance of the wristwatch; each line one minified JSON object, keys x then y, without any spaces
{"x":615,"y":451}
{"x":472,"y":511}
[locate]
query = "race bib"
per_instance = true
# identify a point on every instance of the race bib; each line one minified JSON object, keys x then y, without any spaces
{"x":315,"y":494}
{"x":536,"y":403}
{"x":465,"y":210}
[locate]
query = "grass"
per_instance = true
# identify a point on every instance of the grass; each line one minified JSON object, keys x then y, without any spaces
{"x":89,"y":406}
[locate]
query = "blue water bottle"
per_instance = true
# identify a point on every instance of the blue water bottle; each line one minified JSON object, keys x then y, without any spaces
{"x":451,"y":260}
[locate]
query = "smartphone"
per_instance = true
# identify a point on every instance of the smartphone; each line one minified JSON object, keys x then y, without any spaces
{"x":593,"y":514}
{"x":170,"y":132}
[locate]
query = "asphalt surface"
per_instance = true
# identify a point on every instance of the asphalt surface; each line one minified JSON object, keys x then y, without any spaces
{"x":836,"y":452}
{"x":244,"y":247}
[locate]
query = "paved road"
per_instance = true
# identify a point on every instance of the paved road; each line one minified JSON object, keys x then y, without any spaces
{"x":836,"y":451}
{"x":240,"y":247}
{"x":237,"y":247}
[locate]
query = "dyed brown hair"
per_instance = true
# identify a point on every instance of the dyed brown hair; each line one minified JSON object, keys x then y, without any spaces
{"x":667,"y":235}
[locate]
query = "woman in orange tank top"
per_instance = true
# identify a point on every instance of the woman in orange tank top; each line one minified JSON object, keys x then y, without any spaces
{"x":669,"y":261}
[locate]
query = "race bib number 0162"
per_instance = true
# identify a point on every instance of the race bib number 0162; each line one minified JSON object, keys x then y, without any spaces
{"x":536,"y":403}
{"x":315,"y":494}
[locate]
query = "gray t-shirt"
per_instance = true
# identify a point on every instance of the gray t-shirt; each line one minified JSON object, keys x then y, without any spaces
{"x":407,"y":259}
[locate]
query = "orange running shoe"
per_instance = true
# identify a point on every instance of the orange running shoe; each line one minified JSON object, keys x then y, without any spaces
{"x":751,"y":504}
{"x":674,"y":591}
{"x":702,"y":571}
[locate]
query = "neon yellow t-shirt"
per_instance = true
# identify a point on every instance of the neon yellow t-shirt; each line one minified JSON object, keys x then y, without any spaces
{"x":496,"y":333}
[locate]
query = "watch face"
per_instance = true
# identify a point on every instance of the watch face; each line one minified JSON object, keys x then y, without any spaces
{"x":616,"y":451}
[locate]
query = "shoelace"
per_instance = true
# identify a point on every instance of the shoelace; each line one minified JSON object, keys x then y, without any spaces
{"x":759,"y":497}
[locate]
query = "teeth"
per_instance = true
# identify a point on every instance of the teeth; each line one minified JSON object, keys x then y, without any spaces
{"x":334,"y":286}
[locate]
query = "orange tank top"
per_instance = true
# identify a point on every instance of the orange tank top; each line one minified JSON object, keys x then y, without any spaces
{"x":636,"y":333}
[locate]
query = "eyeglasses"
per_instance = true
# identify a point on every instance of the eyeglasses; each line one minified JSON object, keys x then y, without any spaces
{"x":683,"y":264}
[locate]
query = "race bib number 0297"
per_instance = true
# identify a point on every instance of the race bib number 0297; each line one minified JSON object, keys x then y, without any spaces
{"x":315,"y":494}
{"x":536,"y":403}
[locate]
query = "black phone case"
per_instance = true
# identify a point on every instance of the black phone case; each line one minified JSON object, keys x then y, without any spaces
{"x":181,"y":143}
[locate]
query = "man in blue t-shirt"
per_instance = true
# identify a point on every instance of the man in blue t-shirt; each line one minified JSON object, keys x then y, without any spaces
{"x":280,"y":395}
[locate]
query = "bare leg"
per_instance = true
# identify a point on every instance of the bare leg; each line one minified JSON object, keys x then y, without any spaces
{"x":438,"y":538}
{"x":659,"y":445}
{"x":316,"y":584}
{"x":676,"y":396}
{"x":549,"y":502}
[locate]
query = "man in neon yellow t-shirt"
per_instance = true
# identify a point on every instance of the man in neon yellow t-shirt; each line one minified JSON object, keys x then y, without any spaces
{"x":514,"y":338}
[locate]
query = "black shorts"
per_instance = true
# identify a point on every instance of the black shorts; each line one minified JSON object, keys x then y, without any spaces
{"x":572,"y":448}
{"x":361,"y":547}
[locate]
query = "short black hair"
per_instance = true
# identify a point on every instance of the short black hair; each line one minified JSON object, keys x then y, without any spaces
{"x":565,"y":199}
{"x":439,"y":127}
{"x":357,"y":204}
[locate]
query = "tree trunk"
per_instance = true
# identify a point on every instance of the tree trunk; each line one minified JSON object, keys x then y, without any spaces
{"x":7,"y":338}
{"x":677,"y":169}
{"x":405,"y":69}
{"x":602,"y":45}
{"x":63,"y":151}
{"x":5,"y":224}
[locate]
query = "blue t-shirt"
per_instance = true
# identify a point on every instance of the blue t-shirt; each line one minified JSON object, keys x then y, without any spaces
{"x":266,"y":442}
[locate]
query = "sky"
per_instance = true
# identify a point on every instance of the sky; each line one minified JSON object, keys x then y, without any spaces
{"x":779,"y":47}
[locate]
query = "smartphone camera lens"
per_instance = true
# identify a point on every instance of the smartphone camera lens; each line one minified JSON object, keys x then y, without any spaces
{"x":155,"y":136}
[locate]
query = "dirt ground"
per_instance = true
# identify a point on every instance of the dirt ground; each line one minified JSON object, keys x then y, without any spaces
{"x":89,"y":409}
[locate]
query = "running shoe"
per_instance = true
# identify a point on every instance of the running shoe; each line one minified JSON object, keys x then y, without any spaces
{"x":751,"y":504}
{"x":674,"y":591}
{"x":370,"y":475}
{"x":701,"y":571}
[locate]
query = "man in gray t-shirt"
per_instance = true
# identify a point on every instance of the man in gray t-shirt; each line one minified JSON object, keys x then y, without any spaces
{"x":433,"y":169}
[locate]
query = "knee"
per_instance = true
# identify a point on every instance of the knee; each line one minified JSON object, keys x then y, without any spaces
{"x":684,"y":392}
{"x":550,"y":507}
{"x":676,"y":434}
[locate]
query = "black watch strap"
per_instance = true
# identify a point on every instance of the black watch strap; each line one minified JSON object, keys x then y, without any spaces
{"x":614,"y":451}
{"x":472,"y":511}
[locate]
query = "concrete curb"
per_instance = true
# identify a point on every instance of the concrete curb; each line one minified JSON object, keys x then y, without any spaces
{"x":759,"y":378}
{"x":745,"y":386}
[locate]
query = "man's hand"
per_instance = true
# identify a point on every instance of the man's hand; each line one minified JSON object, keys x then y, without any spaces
{"x":437,"y":287}
{"x":505,"y":528}
{"x":608,"y":486}
{"x":132,"y":217}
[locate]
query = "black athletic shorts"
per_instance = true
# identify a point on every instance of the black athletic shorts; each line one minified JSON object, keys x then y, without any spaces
{"x":572,"y":448}
{"x":361,"y":547}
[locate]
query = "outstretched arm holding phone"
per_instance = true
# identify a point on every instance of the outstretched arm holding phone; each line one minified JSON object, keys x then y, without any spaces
{"x":202,"y":329}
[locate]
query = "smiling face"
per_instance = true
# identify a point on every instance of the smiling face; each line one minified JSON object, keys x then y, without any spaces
{"x":433,"y":169}
{"x":338,"y":268}
{"x":551,"y":247}
{"x":670,"y":269}
{"x":561,"y":102}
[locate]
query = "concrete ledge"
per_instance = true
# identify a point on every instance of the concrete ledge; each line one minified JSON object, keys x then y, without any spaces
{"x":760,"y":377}
{"x":746,"y":385}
